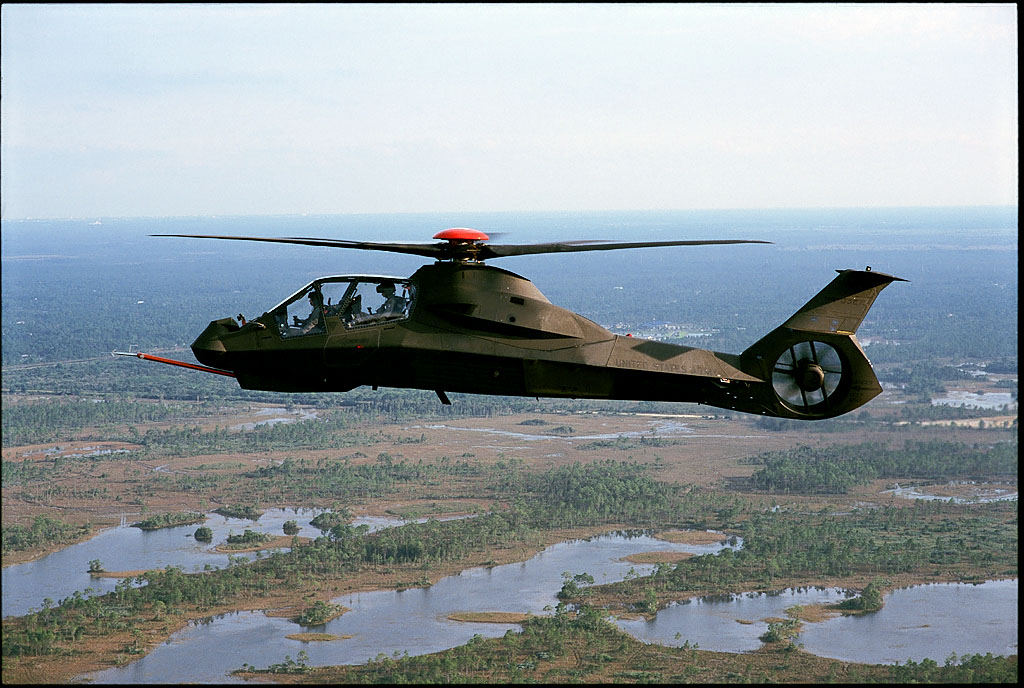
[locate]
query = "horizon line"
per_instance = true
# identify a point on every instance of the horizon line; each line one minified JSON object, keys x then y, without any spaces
{"x":208,"y":216}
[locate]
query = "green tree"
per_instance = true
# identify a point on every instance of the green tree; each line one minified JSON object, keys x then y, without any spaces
{"x":571,"y":589}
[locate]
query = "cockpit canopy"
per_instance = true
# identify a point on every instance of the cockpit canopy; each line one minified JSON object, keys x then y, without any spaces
{"x":351,"y":301}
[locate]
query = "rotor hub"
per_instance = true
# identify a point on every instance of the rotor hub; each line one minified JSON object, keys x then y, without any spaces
{"x":461,"y":234}
{"x":809,"y":376}
{"x":464,"y":244}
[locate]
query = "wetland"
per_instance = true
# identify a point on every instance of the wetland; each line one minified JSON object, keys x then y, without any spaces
{"x":405,"y":595}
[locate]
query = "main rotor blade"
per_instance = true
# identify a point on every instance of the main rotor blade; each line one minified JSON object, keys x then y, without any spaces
{"x":436,"y":250}
{"x":477,"y":251}
{"x":501,"y":251}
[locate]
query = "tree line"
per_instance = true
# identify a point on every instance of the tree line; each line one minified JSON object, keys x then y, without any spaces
{"x":51,"y":419}
{"x":42,"y":532}
{"x":837,"y":469}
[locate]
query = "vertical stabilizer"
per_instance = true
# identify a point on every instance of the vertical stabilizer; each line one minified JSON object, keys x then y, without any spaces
{"x":841,"y":306}
{"x":813,"y":361}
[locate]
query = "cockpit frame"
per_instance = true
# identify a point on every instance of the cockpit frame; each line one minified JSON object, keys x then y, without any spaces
{"x":357,"y":301}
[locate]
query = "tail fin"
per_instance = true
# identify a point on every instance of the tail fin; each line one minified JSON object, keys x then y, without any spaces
{"x":841,"y":306}
{"x":813,"y":361}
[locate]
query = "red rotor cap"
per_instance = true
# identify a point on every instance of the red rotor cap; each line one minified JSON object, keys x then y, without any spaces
{"x":462,"y":234}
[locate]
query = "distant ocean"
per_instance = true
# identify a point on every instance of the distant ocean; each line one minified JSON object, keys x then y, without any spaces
{"x":520,"y":227}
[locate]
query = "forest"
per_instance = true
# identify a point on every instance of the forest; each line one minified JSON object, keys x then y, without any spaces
{"x":836,"y":469}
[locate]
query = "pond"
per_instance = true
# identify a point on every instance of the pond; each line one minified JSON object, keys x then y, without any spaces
{"x":924,"y":621}
{"x":990,"y":400}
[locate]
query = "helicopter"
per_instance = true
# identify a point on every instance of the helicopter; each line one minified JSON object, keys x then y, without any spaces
{"x":462,"y":325}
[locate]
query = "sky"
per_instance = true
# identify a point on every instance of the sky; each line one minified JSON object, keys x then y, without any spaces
{"x":123,"y":110}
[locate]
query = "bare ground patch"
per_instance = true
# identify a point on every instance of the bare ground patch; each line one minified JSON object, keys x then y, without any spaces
{"x":317,"y":637}
{"x":657,"y":557}
{"x":490,"y":617}
{"x":692,"y":537}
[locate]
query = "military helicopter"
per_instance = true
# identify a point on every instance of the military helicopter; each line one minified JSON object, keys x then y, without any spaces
{"x":460,"y":325}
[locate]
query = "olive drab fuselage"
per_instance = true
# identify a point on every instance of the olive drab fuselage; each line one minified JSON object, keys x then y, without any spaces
{"x":462,"y":326}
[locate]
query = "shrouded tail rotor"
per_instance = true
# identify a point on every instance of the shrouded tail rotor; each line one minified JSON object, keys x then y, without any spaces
{"x":807,"y":374}
{"x":812,"y":365}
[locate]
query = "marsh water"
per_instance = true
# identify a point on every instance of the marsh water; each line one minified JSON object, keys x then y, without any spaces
{"x":658,"y":426}
{"x":923,"y":621}
{"x":971,"y":493}
{"x":125,"y":548}
{"x":926,"y":621}
{"x":990,"y":400}
{"x":919,"y":622}
{"x":388,"y":621}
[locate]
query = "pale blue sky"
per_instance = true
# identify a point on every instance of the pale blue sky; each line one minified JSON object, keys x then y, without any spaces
{"x":150,"y":110}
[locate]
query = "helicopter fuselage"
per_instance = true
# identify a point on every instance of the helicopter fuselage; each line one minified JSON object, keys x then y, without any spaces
{"x":473,"y":328}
